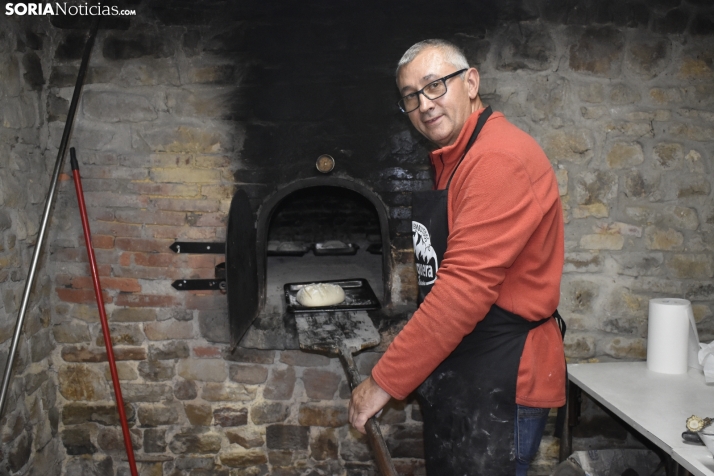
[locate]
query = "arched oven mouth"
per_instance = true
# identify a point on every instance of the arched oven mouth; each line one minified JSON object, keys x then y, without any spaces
{"x":311,"y":230}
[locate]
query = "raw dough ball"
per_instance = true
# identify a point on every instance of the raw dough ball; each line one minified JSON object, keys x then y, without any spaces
{"x":320,"y":294}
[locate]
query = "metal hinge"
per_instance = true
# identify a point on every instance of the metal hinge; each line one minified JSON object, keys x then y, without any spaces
{"x":217,"y":284}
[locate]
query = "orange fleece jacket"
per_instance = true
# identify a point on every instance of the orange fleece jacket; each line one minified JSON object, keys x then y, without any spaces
{"x":505,"y":247}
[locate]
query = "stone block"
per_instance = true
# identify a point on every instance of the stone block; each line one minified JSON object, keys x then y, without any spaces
{"x":250,"y":374}
{"x":269,"y":412}
{"x":111,"y":439}
{"x":18,"y":113}
{"x":625,"y":154}
{"x":217,"y":392}
{"x":169,"y":330}
{"x":157,"y":415}
{"x":582,"y":262}
{"x":598,"y":51}
{"x":663,"y":239}
{"x":287,"y":437}
{"x":639,"y":263}
{"x":122,"y":334}
{"x":123,"y":47}
{"x":10,"y":76}
{"x":156,"y":370}
{"x":313,"y":414}
{"x":320,"y":384}
{"x":626,"y":348}
{"x":301,"y":358}
{"x":683,"y":218}
{"x":638,"y":184}
{"x":77,"y":441}
{"x":169,"y":351}
{"x":622,"y":94}
{"x":280,"y":385}
{"x":571,"y":145}
{"x":281,"y":459}
{"x":648,"y":57}
{"x":99,"y":465}
{"x":188,"y":442}
{"x":106,"y":106}
{"x":102,"y":413}
{"x":147,"y":392}
{"x":355,"y":447}
{"x":242,"y":458}
{"x":198,"y":463}
{"x":214,"y":326}
{"x":211,"y":102}
{"x":154,"y":440}
{"x":33,"y":75}
{"x":230,"y":417}
{"x":71,"y":332}
{"x":245,"y":437}
{"x":579,"y":346}
{"x":41,"y":345}
{"x":148,"y":72}
{"x":529,"y":47}
{"x":690,"y":266}
{"x":600,"y":241}
{"x":81,"y":382}
{"x":202,"y":370}
{"x":185,"y":390}
{"x":199,"y":414}
{"x":693,"y":187}
{"x":668,"y":155}
{"x":578,"y":295}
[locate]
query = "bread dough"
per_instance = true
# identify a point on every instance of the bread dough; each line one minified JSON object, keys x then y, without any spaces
{"x":320,"y":294}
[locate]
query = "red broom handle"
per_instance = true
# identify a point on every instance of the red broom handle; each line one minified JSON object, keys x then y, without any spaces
{"x":102,"y":312}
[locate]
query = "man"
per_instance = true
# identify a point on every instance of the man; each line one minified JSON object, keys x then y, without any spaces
{"x":482,"y":348}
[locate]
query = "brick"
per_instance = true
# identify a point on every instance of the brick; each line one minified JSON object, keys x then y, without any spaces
{"x":202,"y":370}
{"x":146,"y":300}
{"x":165,"y":189}
{"x":150,"y":217}
{"x":320,"y":384}
{"x":206,"y":301}
{"x":117,"y":229}
{"x":181,"y":232}
{"x":169,"y":330}
{"x":207,"y":219}
{"x":101,"y":241}
{"x":185,"y":175}
{"x":207,"y":352}
{"x":230,"y":417}
{"x":161,"y":260}
{"x":185,"y":204}
{"x":199,"y":414}
{"x":120,"y":284}
{"x":106,"y":199}
{"x":312,"y":414}
{"x":250,"y":356}
{"x":81,"y":295}
{"x":142,"y":244}
{"x":201,"y":261}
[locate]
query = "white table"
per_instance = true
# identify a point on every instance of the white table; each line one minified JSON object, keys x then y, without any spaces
{"x":656,"y":405}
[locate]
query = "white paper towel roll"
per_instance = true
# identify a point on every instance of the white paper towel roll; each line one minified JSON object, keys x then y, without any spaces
{"x":668,"y":335}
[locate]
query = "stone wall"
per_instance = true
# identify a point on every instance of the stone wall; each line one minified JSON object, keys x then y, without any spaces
{"x":29,"y":425}
{"x":183,"y":105}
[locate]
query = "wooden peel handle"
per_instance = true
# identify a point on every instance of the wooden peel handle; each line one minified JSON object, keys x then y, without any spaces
{"x":374,"y":434}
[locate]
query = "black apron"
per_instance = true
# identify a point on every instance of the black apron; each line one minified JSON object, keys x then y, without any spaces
{"x":469,"y":402}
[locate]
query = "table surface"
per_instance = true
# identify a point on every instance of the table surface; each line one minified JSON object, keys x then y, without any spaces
{"x":656,"y":405}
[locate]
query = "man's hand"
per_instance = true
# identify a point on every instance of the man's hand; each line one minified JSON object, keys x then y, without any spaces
{"x":367,"y":399}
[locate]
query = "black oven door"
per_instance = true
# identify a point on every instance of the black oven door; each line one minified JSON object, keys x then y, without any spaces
{"x":241,"y":267}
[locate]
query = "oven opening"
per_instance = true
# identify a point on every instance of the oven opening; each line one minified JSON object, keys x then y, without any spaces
{"x":316,"y":232}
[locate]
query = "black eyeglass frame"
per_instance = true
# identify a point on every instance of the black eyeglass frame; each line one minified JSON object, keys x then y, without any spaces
{"x":421,"y":91}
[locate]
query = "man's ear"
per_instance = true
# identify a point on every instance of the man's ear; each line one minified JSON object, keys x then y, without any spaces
{"x":473,"y":82}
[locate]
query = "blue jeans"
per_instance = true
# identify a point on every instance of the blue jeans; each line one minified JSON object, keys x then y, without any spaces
{"x":530,"y":424}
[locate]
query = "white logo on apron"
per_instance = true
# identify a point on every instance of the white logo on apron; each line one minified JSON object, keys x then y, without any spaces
{"x":426,"y":262}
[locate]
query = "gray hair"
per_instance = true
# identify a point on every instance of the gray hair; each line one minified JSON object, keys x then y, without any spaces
{"x":452,"y":53}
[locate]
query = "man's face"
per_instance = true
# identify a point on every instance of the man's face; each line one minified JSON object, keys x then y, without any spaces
{"x":439,"y":120}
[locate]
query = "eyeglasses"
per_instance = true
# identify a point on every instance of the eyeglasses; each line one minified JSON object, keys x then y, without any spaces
{"x":433,"y":90}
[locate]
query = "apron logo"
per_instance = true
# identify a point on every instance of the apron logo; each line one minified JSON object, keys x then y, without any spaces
{"x":426,"y":261}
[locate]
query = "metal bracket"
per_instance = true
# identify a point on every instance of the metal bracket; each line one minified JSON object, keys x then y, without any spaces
{"x":198,"y":247}
{"x":200,"y":284}
{"x":217,"y":284}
